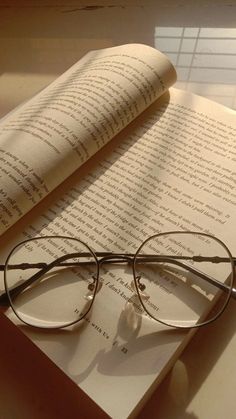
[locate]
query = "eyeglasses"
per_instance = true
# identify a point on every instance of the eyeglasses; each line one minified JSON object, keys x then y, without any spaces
{"x":52,"y":281}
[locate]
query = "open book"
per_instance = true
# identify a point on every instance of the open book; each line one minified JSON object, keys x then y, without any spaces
{"x":110,"y":154}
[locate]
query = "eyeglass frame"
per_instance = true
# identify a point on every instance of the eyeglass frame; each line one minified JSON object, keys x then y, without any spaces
{"x":110,"y":257}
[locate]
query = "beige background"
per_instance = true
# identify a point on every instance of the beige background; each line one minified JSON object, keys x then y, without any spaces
{"x":39,"y":40}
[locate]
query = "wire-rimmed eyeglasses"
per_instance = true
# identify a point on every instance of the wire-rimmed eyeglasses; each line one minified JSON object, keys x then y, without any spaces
{"x":51,"y":281}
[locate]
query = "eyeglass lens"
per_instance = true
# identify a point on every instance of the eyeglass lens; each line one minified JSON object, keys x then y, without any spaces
{"x":177,"y":291}
{"x":60,"y":286}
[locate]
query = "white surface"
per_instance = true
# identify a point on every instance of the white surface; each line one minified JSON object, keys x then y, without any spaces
{"x":40,"y":42}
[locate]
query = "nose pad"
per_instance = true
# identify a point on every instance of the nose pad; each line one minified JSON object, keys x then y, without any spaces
{"x":141,"y":288}
{"x":91,"y":287}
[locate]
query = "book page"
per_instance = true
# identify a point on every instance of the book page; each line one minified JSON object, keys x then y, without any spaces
{"x":174,"y":170}
{"x":53,"y":134}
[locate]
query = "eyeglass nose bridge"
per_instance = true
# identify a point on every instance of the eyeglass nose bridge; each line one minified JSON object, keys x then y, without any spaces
{"x":125,"y":258}
{"x":114,"y":258}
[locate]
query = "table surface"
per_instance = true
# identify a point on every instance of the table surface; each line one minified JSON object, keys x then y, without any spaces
{"x":39,"y":42}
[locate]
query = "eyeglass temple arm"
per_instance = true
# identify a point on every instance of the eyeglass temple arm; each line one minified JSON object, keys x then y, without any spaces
{"x":113,"y":258}
{"x":4,"y":300}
